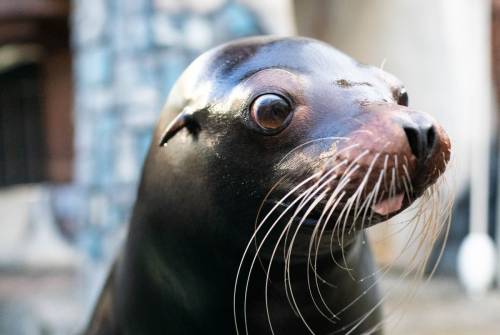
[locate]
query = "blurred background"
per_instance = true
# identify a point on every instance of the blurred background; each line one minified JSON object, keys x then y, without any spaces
{"x":82,"y":83}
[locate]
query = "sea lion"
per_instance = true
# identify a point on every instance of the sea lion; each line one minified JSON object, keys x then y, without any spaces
{"x":270,"y":158}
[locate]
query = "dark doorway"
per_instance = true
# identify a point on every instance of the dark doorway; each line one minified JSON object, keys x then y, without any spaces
{"x":22,"y":145}
{"x":36,"y":122}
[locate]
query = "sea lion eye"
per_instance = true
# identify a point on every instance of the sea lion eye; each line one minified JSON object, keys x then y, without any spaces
{"x":403,"y":99}
{"x":271,"y":112}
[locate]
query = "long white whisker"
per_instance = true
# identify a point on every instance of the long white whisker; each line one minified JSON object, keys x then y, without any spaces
{"x":279,"y":203}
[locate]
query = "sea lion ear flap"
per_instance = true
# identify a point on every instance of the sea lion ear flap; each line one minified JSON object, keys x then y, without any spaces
{"x":186,"y":120}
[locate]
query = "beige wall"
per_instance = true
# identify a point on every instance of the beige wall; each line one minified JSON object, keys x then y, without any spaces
{"x":277,"y":16}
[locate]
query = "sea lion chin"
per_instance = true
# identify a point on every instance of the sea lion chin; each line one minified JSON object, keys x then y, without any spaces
{"x":271,"y":157}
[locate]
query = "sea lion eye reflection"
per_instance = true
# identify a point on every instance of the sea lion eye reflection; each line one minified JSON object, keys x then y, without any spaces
{"x":403,"y":98}
{"x":271,"y":112}
{"x":235,"y":232}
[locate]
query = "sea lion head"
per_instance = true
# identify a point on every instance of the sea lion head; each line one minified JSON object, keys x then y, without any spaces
{"x":267,"y":142}
{"x":258,"y":118}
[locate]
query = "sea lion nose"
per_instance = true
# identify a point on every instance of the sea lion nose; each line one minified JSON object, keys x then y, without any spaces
{"x":421,"y":135}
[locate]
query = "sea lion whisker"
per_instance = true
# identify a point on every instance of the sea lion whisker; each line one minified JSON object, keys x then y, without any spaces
{"x":290,"y":206}
{"x":301,"y":204}
{"x":345,"y":180}
{"x":396,"y":167}
{"x":410,"y":237}
{"x":408,"y":179}
{"x":310,"y":142}
{"x":314,"y":189}
{"x":370,"y":200}
{"x":406,"y":188}
{"x":330,"y":207}
{"x":352,"y":199}
{"x":321,"y":182}
{"x":359,"y":322}
{"x":293,"y":305}
{"x":383,"y":272}
{"x":343,"y":162}
{"x":349,"y":171}
{"x":311,"y":207}
{"x":434,"y":219}
{"x":429,"y":229}
{"x":305,"y":193}
{"x":308,"y":196}
{"x":353,"y":165}
{"x":316,"y":254}
{"x":255,"y":234}
{"x":309,"y":265}
{"x":336,"y":231}
{"x":362,"y":212}
{"x":372,"y":193}
{"x":343,"y":217}
{"x":322,"y":185}
{"x":357,"y":209}
{"x":446,"y":226}
{"x":363,"y":184}
{"x":330,"y":213}
{"x":392,"y":187}
{"x":314,"y":242}
{"x":266,"y":197}
{"x":386,"y":159}
{"x":338,"y":189}
{"x":409,"y":242}
{"x":378,"y":195}
{"x":334,"y":194}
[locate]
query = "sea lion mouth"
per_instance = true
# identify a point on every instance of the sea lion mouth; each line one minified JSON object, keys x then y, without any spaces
{"x":389,"y":205}
{"x":323,"y":213}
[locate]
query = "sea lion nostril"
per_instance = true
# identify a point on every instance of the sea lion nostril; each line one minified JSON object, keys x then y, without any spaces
{"x":412,"y":137}
{"x":431,"y":139}
{"x":421,"y":139}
